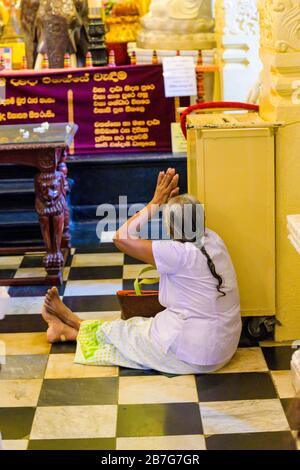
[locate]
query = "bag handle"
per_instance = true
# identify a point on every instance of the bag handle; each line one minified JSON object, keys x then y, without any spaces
{"x":138,"y":283}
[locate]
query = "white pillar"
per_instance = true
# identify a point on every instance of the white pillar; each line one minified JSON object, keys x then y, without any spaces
{"x":237,"y":32}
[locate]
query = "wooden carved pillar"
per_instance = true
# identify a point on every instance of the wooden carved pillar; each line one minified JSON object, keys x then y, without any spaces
{"x":51,"y":206}
{"x":237,"y":34}
{"x":280,"y":101}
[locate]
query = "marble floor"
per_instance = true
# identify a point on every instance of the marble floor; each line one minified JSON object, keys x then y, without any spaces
{"x":47,"y":402}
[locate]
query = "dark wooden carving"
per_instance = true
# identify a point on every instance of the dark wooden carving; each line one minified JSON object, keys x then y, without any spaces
{"x":51,"y":186}
{"x":62,"y":167}
{"x":96,"y":33}
{"x":50,"y":206}
{"x":29,"y":10}
{"x":55,"y":27}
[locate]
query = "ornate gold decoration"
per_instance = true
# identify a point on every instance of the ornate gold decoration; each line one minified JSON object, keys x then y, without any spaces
{"x":280,"y":25}
{"x":12,"y":30}
{"x":242,"y":19}
{"x":123,"y":21}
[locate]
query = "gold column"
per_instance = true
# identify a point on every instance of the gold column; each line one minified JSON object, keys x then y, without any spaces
{"x":280,"y":101}
{"x":12,"y":35}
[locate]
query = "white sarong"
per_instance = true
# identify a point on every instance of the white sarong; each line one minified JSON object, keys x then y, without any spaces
{"x":128,"y":343}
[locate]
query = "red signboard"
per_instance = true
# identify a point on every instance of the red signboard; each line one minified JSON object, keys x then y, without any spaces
{"x":117,"y":109}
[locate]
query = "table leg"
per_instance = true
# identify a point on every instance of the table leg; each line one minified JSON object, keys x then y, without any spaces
{"x":50,"y":205}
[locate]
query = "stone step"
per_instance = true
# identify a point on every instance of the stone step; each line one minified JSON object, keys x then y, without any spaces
{"x":19,"y":228}
{"x":17,"y":194}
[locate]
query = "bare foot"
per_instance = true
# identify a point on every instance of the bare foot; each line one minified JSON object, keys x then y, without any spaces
{"x":57,"y":330}
{"x":56,"y":307}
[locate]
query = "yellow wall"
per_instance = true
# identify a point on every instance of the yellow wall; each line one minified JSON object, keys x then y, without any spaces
{"x":287,"y":259}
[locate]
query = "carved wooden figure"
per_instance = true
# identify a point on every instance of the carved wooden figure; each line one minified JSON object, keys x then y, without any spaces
{"x":62,"y":167}
{"x":50,"y":206}
{"x":51,"y":189}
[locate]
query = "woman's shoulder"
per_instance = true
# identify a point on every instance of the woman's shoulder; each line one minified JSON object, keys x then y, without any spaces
{"x":210,"y":235}
{"x":169,"y":255}
{"x":168,"y":244}
{"x":214,"y":242}
{"x":175,"y":245}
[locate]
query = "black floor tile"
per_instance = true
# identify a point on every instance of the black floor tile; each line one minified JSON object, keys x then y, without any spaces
{"x":76,"y":392}
{"x":159,"y":420}
{"x":128,"y":284}
{"x":73,"y":444}
{"x":32,"y":261}
{"x":25,"y":367}
{"x":246,"y":386}
{"x":99,"y":248}
{"x":97,"y":272}
{"x":33,"y":291}
{"x":15,"y":423}
{"x":23,"y":324}
{"x":129,"y":260}
{"x":291,"y":408}
{"x":6,"y":273}
{"x":278,"y":357}
{"x":126,"y":372}
{"x":36,"y":261}
{"x":93,"y":303}
{"x":63,"y":348}
{"x":252,"y":441}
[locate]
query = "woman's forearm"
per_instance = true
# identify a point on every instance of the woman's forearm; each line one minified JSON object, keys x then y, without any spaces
{"x":127,"y":239}
{"x":167,"y":186}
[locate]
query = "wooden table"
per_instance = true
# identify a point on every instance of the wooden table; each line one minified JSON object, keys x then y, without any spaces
{"x":44,"y":148}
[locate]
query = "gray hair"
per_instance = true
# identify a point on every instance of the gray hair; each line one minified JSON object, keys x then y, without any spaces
{"x":184,"y":219}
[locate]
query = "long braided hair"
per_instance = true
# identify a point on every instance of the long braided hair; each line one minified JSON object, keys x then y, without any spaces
{"x":212,"y":269}
{"x":180,"y":210}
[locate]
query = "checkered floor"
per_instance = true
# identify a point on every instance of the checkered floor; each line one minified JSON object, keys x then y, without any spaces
{"x":47,"y":402}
